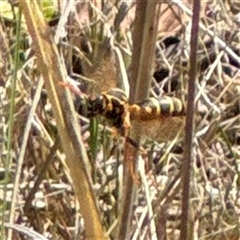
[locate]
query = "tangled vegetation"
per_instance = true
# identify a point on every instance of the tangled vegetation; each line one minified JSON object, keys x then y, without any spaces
{"x":64,"y":175}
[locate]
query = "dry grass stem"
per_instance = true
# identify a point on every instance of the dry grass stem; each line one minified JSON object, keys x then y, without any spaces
{"x":67,"y":172}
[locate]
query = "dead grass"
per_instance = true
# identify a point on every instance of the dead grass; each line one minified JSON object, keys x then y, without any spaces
{"x":50,"y":208}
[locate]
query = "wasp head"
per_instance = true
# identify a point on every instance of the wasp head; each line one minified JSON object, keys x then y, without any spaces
{"x":95,"y":105}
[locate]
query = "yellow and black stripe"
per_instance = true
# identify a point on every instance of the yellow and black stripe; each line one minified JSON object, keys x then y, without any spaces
{"x":153,"y":108}
{"x":113,"y":105}
{"x":110,"y":104}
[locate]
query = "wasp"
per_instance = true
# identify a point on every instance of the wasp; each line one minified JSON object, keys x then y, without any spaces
{"x":151,"y":112}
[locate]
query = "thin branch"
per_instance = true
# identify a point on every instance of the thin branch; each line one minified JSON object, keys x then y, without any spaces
{"x":186,"y":167}
{"x":144,"y":38}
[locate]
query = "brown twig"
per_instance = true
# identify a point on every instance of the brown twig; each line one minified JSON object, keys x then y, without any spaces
{"x":186,"y":167}
{"x":144,"y":38}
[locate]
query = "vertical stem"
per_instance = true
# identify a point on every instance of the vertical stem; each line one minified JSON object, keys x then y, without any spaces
{"x":186,"y":167}
{"x":144,"y":38}
{"x":8,"y":159}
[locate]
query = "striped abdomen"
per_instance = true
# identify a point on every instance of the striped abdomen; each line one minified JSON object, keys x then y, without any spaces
{"x":153,"y":108}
